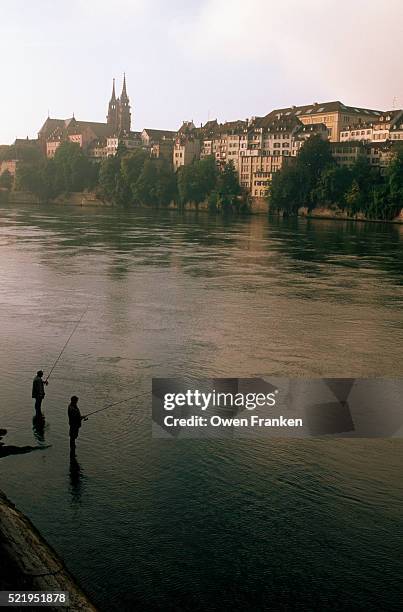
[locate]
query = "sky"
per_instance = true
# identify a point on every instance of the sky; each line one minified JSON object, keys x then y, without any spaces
{"x":194,"y":59}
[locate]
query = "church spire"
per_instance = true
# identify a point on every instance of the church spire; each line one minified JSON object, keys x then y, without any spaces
{"x":123,"y":96}
{"x":124,"y":115}
{"x":113,"y":97}
{"x":112,"y":116}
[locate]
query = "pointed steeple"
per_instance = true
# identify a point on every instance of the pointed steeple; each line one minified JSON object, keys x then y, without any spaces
{"x":113,"y":96}
{"x":123,"y":96}
{"x":112,"y":116}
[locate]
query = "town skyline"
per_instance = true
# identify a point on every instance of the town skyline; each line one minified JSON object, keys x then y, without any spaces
{"x":200,"y":60}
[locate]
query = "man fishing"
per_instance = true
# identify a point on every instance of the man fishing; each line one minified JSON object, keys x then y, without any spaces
{"x":38,"y":392}
{"x":75,"y":420}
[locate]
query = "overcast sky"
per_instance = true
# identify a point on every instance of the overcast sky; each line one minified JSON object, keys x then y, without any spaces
{"x":194,"y":59}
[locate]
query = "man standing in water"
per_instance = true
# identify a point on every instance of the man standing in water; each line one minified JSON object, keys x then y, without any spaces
{"x":38,"y":392}
{"x":75,"y":419}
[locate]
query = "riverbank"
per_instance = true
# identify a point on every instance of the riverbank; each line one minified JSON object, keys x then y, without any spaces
{"x":258,"y":206}
{"x":30,"y":564}
{"x":338,"y":214}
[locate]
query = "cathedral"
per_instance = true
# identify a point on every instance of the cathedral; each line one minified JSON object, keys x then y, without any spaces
{"x":119,"y":117}
{"x":98,"y":139}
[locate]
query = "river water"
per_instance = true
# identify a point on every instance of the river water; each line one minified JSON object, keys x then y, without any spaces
{"x":201,"y":524}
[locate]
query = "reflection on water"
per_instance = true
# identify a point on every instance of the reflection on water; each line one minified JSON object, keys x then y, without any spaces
{"x":199,"y":525}
{"x":38,"y":428}
{"x":76,"y":476}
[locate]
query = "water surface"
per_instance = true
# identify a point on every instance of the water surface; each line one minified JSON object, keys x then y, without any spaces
{"x":201,"y":525}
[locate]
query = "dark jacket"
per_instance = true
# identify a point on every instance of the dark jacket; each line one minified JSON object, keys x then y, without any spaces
{"x":74,"y":416}
{"x":38,"y":387}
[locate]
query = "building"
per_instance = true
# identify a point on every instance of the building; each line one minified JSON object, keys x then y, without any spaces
{"x":119,"y":115}
{"x":226,"y":142}
{"x":98,"y":149}
{"x":127,"y":140}
{"x":9,"y":165}
{"x":208,"y":130}
{"x":186,"y":147}
{"x":162,"y":150}
{"x":150,"y":137}
{"x":335,"y":115}
{"x":377,"y":154}
{"x":379,"y":130}
{"x":92,"y":136}
{"x":306,"y":131}
{"x":84,"y":133}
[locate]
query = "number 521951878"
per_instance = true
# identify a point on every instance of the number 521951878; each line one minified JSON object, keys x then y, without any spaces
{"x":33,"y":598}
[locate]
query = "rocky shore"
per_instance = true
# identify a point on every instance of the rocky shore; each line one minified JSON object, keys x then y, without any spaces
{"x":28,"y":563}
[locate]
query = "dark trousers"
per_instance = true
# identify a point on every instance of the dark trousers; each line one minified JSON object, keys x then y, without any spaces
{"x":73,"y":437}
{"x":38,"y":403}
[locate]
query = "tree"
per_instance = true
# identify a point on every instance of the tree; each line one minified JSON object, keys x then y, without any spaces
{"x":289,"y":189}
{"x":108,"y":178}
{"x":197,"y":180}
{"x":315,"y":156}
{"x":294,"y":185}
{"x":228,"y":187}
{"x":156,"y":185}
{"x":394,"y":178}
{"x":28,"y":152}
{"x":332,"y":185}
{"x":6,"y":179}
{"x":131,"y":166}
{"x":354,"y":197}
{"x":74,"y":171}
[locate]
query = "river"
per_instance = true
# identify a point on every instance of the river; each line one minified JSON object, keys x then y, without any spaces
{"x":201,"y":524}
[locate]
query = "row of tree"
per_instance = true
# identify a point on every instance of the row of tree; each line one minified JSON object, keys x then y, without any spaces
{"x":137,"y":178}
{"x":70,"y":170}
{"x":314,"y":179}
{"x":130,"y":178}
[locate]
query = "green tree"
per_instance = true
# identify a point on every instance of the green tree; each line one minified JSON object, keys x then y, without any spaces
{"x":294,"y":185}
{"x":228,"y":187}
{"x":74,"y":171}
{"x":6,"y":179}
{"x":197,"y":180}
{"x":156,"y":185}
{"x":29,"y":153}
{"x":131,"y":166}
{"x":108,"y":178}
{"x":394,"y":178}
{"x":315,"y":156}
{"x":289,"y":189}
{"x":354,"y":197}
{"x":332,"y":185}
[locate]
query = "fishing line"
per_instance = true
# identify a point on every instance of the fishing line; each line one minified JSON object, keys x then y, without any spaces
{"x":66,"y":343}
{"x":127,"y":399}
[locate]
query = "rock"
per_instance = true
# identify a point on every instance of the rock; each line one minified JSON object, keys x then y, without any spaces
{"x":28,"y":563}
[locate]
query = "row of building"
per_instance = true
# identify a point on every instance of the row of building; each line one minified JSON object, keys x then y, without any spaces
{"x":258,"y":147}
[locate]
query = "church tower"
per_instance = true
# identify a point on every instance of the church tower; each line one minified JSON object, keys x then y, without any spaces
{"x":113,"y":110}
{"x":124,"y":116}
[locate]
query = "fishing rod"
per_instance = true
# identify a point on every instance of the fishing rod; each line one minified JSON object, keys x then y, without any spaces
{"x":66,"y":343}
{"x":127,"y":399}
